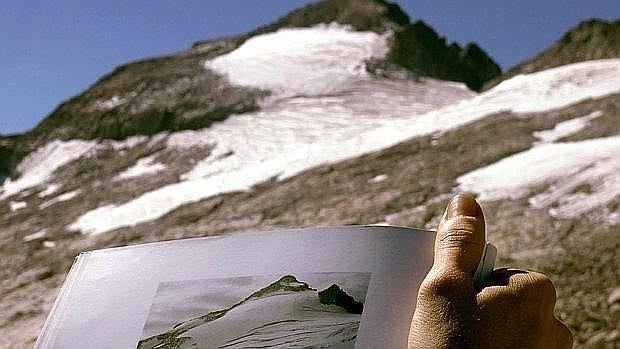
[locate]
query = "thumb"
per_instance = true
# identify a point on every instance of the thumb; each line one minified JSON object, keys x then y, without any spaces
{"x":460,"y":239}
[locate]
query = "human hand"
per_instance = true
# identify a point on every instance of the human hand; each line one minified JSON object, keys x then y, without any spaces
{"x":514,"y":310}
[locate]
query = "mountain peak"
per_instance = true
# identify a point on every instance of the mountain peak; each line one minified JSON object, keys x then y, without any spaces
{"x":364,"y":15}
{"x":285,"y":283}
{"x":419,"y":48}
{"x":176,"y":92}
{"x":337,"y":296}
{"x":589,"y":40}
{"x":595,"y":30}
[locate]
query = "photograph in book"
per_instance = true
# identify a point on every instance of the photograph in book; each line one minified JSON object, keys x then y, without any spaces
{"x":318,"y":310}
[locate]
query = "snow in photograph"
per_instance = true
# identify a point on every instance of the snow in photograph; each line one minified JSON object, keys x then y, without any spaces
{"x":318,"y":310}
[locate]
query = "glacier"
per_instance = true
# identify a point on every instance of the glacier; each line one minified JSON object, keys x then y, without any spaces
{"x":299,"y":133}
{"x":310,"y":122}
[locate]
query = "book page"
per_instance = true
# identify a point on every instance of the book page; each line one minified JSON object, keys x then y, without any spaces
{"x":347,"y":287}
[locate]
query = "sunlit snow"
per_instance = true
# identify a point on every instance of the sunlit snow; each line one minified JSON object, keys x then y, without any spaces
{"x":127,"y":143}
{"x":557,"y":87}
{"x":142,"y":167}
{"x":110,"y":103}
{"x":325,"y":108}
{"x":565,"y":167}
{"x":302,"y":61}
{"x":378,"y":178}
{"x":282,"y":140}
{"x":299,"y":133}
{"x":60,"y":198}
{"x":17,"y":205}
{"x":36,"y":236}
{"x":39,"y":165}
{"x":49,"y":190}
{"x":566,"y":128}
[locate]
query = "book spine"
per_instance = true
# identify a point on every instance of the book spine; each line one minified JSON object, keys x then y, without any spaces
{"x":54,"y":319}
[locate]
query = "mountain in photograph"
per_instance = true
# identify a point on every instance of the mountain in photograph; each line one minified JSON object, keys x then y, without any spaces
{"x":285,"y":314}
{"x":342,"y":112}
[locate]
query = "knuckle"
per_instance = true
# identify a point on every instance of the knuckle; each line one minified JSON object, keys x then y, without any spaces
{"x":458,"y":236}
{"x":541,"y":288}
{"x":515,"y":298}
{"x":528,"y":293}
{"x":445,"y":283}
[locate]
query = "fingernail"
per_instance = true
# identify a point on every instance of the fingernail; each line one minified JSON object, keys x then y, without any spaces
{"x":463,"y":205}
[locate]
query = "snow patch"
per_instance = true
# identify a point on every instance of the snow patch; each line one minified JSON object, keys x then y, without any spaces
{"x":557,"y":87}
{"x":295,"y":134}
{"x":17,"y":205}
{"x":613,"y":218}
{"x":60,"y":198}
{"x":566,"y":128}
{"x":279,"y":141}
{"x":39,"y":165}
{"x":188,"y":139}
{"x":49,"y":190}
{"x":110,"y":103}
{"x":113,"y":101}
{"x":36,"y":236}
{"x":302,"y":61}
{"x":143,"y":167}
{"x":127,"y":143}
{"x":378,"y":179}
{"x":581,"y":176}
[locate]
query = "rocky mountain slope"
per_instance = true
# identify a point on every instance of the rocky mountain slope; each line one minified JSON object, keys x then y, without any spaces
{"x":589,"y":40}
{"x":310,"y":122}
{"x":174,"y":92}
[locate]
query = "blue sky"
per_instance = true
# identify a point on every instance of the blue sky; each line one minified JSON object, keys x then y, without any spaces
{"x":53,"y":50}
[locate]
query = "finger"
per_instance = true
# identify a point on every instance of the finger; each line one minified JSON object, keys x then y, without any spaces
{"x":460,"y":236}
{"x":511,"y":288}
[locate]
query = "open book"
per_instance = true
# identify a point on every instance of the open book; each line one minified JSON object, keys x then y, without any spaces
{"x":346,"y":287}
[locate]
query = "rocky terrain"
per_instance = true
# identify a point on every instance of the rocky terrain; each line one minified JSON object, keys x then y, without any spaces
{"x":593,"y":39}
{"x":175,"y":92}
{"x":369,"y":121}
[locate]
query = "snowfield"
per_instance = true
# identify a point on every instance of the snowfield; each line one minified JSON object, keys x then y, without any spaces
{"x":299,"y":133}
{"x":284,"y":320}
{"x":142,"y":167}
{"x":39,"y":165}
{"x":563,"y":166}
{"x":60,"y":198}
{"x":326,"y":108}
{"x":302,"y":61}
{"x":566,"y":128}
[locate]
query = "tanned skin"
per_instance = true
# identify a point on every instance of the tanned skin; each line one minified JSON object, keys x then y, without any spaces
{"x":514,"y":310}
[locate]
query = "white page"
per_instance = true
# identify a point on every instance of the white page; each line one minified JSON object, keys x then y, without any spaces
{"x":113,"y":298}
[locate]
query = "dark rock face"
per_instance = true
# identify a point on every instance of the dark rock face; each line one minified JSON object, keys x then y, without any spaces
{"x":168,"y":93}
{"x":372,"y":15}
{"x":593,"y":39}
{"x":285,"y":283}
{"x":335,"y":295}
{"x":8,"y":157}
{"x":419,"y":48}
{"x":416,"y":47}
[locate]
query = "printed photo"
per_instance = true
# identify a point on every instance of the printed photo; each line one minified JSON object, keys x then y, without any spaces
{"x":306,"y":310}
